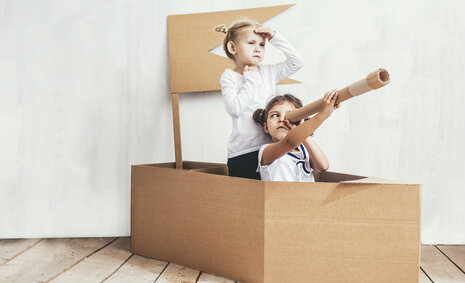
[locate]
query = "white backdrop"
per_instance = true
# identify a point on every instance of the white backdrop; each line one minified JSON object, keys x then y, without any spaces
{"x":84,"y":93}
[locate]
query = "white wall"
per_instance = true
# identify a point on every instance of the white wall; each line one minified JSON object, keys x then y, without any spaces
{"x":84,"y":94}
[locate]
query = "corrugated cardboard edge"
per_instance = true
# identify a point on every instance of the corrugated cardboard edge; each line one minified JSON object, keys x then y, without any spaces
{"x":376,"y":180}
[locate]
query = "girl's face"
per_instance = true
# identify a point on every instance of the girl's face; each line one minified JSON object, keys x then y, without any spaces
{"x":249,"y":48}
{"x":275,"y":123}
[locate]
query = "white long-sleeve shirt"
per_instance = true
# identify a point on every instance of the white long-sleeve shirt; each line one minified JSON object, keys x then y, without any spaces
{"x":243,"y":94}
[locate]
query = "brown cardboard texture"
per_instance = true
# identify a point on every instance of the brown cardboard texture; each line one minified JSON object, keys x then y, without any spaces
{"x":342,"y":228}
{"x":257,"y":231}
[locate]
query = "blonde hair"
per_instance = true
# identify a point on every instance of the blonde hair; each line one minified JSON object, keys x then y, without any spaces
{"x":233,"y":32}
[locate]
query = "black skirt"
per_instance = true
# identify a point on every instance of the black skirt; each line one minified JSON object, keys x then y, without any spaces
{"x":244,"y":166}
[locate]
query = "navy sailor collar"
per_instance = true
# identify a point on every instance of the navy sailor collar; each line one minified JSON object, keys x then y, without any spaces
{"x":301,"y":160}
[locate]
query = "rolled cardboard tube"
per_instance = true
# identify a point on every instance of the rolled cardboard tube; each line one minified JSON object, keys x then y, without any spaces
{"x":374,"y":80}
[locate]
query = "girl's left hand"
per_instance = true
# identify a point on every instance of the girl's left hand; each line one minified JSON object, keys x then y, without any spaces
{"x":266,"y":32}
{"x":329,"y":102}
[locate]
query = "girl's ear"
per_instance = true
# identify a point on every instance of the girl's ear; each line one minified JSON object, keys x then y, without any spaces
{"x":265,"y":127}
{"x":231,"y":47}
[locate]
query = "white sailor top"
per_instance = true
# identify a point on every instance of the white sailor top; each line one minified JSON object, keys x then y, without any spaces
{"x":291,"y":167}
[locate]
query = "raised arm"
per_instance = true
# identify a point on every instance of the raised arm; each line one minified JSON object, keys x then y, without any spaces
{"x":299,"y":134}
{"x":294,"y":60}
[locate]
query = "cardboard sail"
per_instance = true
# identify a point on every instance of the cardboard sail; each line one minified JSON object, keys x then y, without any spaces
{"x":192,"y":67}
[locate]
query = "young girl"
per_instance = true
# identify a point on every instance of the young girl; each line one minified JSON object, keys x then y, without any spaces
{"x":248,"y":86}
{"x":292,"y":155}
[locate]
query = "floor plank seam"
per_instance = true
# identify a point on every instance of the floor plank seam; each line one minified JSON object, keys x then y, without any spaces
{"x":161,"y":272}
{"x":20,"y":253}
{"x":449,"y":259}
{"x":111,"y":274}
{"x":198,"y":277}
{"x":79,"y":261}
{"x":426,"y":274}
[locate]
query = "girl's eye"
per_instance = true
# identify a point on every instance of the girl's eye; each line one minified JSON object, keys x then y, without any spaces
{"x":274,"y":116}
{"x":261,"y":44}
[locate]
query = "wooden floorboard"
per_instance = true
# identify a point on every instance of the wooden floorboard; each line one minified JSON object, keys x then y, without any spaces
{"x":438,"y":267}
{"x":11,"y":248}
{"x":210,"y":278}
{"x":178,"y":274}
{"x":138,"y":269}
{"x":110,"y":260}
{"x":48,"y":258}
{"x":100,"y":265}
{"x":455,"y":253}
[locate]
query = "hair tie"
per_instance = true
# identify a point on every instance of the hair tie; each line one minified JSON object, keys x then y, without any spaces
{"x":221,"y":28}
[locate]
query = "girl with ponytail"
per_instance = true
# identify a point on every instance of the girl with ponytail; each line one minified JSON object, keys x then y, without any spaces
{"x":293,"y":154}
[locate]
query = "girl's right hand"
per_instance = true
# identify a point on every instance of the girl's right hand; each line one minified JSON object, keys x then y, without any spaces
{"x":329,"y":102}
{"x":249,"y":69}
{"x":266,"y":32}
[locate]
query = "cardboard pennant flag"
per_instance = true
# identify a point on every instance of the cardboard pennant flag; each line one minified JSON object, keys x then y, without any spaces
{"x":192,"y":67}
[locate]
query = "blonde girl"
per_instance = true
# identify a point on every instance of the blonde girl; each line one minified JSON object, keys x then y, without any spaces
{"x":248,"y":86}
{"x":293,"y":154}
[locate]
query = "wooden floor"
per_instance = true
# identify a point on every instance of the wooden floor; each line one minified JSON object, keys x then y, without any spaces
{"x":110,"y":260}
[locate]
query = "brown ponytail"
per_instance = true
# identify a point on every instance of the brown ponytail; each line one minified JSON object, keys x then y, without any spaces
{"x":259,"y":116}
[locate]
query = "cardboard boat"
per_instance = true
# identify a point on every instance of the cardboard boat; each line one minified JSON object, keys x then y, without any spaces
{"x":342,"y":228}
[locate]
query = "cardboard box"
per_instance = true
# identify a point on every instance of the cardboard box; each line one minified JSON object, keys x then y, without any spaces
{"x":342,"y":228}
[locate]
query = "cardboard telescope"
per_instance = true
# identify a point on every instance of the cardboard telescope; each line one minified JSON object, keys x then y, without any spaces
{"x":374,"y":80}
